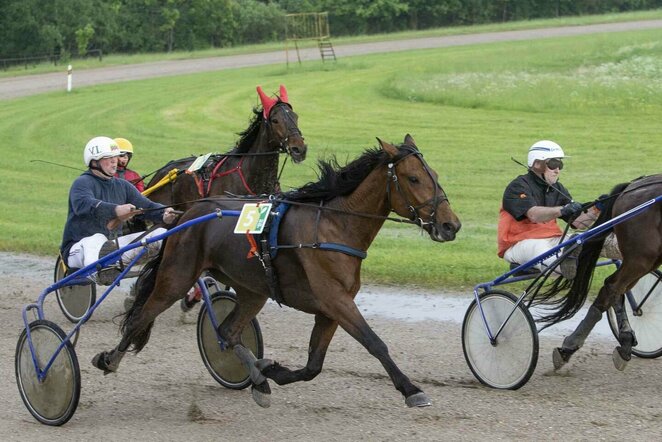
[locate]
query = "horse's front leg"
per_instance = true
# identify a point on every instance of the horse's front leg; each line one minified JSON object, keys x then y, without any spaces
{"x":351,"y":320}
{"x":320,"y":339}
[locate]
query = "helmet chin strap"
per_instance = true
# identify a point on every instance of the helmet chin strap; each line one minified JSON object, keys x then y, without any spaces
{"x":94,"y":165}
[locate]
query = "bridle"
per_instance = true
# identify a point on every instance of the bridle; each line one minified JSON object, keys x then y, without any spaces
{"x":283,"y":148}
{"x":292,"y":129}
{"x":439,"y":193}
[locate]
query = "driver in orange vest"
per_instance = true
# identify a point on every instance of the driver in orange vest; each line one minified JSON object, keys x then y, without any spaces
{"x":530,"y":207}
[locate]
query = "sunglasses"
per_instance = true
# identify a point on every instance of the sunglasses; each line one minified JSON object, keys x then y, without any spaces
{"x":554,"y":163}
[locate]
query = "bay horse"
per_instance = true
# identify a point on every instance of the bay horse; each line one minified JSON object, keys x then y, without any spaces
{"x":640,"y":243}
{"x":321,"y":238}
{"x":250,"y":168}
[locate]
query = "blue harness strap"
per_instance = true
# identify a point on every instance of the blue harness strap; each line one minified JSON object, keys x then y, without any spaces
{"x":351,"y":251}
{"x":280,"y":212}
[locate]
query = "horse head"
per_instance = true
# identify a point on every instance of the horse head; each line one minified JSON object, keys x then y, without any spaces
{"x":283,"y":124}
{"x":414,"y":192}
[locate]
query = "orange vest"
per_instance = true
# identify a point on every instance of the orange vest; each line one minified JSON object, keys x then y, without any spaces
{"x":510,"y":231}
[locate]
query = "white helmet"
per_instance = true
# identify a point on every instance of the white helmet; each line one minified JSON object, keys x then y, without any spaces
{"x":544,"y":150}
{"x":98,"y":148}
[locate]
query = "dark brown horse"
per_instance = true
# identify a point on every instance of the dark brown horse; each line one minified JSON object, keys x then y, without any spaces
{"x":250,"y":168}
{"x":321,"y":241}
{"x":640,"y":242}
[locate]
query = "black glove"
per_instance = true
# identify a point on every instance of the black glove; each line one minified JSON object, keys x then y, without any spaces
{"x":571,"y":209}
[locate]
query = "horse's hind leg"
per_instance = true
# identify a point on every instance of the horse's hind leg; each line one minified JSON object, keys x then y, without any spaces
{"x":320,"y":339}
{"x":626,"y":336}
{"x":150,"y":302}
{"x":247,"y":306}
{"x":615,"y":285}
{"x":136,"y":332}
{"x":572,"y":343}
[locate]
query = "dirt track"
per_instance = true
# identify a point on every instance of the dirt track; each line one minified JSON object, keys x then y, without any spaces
{"x":165,"y":393}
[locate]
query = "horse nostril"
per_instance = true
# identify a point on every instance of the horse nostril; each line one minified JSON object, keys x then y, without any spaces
{"x":448,"y":228}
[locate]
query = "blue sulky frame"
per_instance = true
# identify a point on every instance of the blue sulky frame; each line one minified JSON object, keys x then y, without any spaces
{"x":510,"y":276}
{"x":81,"y":277}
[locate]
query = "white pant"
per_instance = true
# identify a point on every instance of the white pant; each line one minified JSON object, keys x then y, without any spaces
{"x":86,"y":251}
{"x":525,"y":250}
{"x":610,"y":248}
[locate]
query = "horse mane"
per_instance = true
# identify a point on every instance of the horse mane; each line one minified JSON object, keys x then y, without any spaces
{"x":169,"y":165}
{"x":565,"y":307}
{"x":335,"y":180}
{"x":247,"y":137}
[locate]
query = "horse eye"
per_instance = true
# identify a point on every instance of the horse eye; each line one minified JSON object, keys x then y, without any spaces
{"x":412,"y":179}
{"x":274,"y":120}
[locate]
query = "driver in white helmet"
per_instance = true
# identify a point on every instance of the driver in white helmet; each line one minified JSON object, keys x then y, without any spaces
{"x":530,"y":207}
{"x":98,"y":204}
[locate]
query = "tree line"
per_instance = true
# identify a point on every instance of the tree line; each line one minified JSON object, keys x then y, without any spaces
{"x":73,"y":27}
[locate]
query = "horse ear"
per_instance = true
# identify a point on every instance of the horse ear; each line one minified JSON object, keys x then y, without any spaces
{"x":409,"y":140}
{"x":267,"y":103}
{"x":283,"y":94}
{"x":390,"y":149}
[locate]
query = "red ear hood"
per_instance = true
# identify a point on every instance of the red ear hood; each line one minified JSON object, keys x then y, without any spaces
{"x":283,"y":94}
{"x":268,"y":103}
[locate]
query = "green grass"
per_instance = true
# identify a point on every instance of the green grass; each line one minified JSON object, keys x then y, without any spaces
{"x":467,"y":130}
{"x":121,"y":59}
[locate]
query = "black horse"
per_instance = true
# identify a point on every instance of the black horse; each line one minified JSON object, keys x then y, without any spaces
{"x":640,"y":243}
{"x":251,"y":168}
{"x":321,"y":240}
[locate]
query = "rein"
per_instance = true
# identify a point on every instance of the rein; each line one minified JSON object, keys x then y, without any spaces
{"x":345,"y":212}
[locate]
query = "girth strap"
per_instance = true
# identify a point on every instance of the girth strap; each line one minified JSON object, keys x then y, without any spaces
{"x":347,"y":250}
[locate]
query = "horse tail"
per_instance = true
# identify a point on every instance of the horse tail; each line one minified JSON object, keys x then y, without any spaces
{"x":567,"y":306}
{"x":142,"y":289}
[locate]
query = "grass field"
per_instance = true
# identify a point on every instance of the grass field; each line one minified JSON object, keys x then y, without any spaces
{"x":469,"y":108}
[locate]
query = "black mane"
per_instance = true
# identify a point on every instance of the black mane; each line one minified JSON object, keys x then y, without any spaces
{"x":336,"y":180}
{"x":248,"y":136}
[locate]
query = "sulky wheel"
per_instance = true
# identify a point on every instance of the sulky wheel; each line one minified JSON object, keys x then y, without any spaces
{"x":74,"y":300}
{"x":53,"y":400}
{"x":223,"y":365}
{"x":511,"y":360}
{"x":647,"y":324}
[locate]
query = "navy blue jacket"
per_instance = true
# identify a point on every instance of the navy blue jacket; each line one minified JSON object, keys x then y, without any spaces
{"x":92,"y":202}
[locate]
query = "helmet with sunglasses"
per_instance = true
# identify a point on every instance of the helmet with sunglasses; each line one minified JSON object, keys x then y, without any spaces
{"x":544,"y":150}
{"x":98,"y":148}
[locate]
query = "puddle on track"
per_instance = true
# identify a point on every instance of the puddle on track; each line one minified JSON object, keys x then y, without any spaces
{"x":409,"y":306}
{"x":406,"y":303}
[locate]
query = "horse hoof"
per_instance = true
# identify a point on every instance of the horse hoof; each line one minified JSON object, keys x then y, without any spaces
{"x":620,"y":360}
{"x":262,"y":394}
{"x":558,"y":359}
{"x":101,"y":362}
{"x":418,"y":400}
